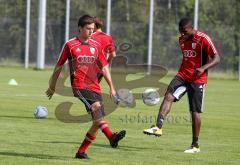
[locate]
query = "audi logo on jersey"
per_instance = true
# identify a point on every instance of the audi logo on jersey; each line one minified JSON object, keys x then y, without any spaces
{"x":189,"y":53}
{"x":86,"y":59}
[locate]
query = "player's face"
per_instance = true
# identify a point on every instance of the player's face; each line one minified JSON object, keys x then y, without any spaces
{"x":86,"y":31}
{"x":186,"y":31}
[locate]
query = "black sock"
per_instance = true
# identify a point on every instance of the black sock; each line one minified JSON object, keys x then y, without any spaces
{"x":195,"y":141}
{"x":160,"y":120}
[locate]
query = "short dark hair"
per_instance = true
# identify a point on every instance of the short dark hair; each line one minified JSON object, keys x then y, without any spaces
{"x":85,"y":20}
{"x":184,"y":21}
{"x":98,"y":22}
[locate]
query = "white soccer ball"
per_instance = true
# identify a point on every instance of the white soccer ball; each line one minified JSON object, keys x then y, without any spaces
{"x":40,"y":112}
{"x":125,"y":97}
{"x":150,"y":96}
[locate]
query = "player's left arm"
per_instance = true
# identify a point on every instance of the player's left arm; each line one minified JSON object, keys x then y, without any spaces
{"x":211,"y":63}
{"x":213,"y":56}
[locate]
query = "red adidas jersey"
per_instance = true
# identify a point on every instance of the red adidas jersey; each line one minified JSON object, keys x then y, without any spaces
{"x":85,"y":61}
{"x":196,"y":52}
{"x":106,"y":42}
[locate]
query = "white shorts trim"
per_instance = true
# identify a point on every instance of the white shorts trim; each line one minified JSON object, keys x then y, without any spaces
{"x":179,"y":91}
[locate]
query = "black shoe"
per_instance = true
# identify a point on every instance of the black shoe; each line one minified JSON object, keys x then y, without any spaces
{"x":116,"y":138}
{"x":81,"y":156}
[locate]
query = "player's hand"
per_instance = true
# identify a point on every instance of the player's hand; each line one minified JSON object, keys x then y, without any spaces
{"x":49,"y":92}
{"x":112,"y":93}
{"x":198,"y":71}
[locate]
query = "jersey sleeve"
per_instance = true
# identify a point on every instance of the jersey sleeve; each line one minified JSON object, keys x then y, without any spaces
{"x":111,"y":47}
{"x":101,"y":58}
{"x":63,"y":55}
{"x":209,"y":47}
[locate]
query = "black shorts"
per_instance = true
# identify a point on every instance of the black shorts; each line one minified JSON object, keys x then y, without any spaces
{"x":99,"y":76}
{"x":178,"y":87}
{"x":88,"y":97}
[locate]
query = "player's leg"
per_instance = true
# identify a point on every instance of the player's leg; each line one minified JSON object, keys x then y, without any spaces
{"x":97,"y":111}
{"x":175,"y":91}
{"x":195,"y":98}
{"x":113,"y":138}
{"x":89,"y":138}
{"x":92,"y":104}
{"x":164,"y":110}
{"x":196,"y":125}
{"x":98,"y":117}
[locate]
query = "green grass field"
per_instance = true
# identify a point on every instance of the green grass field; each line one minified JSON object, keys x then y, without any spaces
{"x":26,"y":140}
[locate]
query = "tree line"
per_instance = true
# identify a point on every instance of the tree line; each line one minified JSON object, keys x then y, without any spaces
{"x":129,"y":27}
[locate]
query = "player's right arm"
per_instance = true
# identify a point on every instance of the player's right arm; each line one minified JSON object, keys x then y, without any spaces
{"x":111,"y":50}
{"x":57,"y":70}
{"x":111,"y":56}
{"x":53,"y":80}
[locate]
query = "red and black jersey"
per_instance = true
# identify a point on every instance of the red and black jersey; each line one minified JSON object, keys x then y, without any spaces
{"x":196,"y":52}
{"x":106,"y":42}
{"x":85,"y":59}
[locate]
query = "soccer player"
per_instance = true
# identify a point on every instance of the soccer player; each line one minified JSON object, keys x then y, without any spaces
{"x":106,"y":42}
{"x":104,"y":39}
{"x":85,"y":60}
{"x":199,"y":54}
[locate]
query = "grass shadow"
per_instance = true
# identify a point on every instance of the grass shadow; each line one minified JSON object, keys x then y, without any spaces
{"x":120,"y":147}
{"x":58,"y":142}
{"x":25,"y":117}
{"x":37,"y":156}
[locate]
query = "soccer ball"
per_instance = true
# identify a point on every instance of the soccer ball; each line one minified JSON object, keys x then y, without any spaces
{"x":150,"y":96}
{"x":40,"y":112}
{"x":125,"y":98}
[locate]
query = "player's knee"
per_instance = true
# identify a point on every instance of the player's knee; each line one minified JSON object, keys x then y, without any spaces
{"x":195,"y":115}
{"x":96,"y":106}
{"x":96,"y":122}
{"x":97,"y":117}
{"x":169,"y":98}
{"x":97,"y":113}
